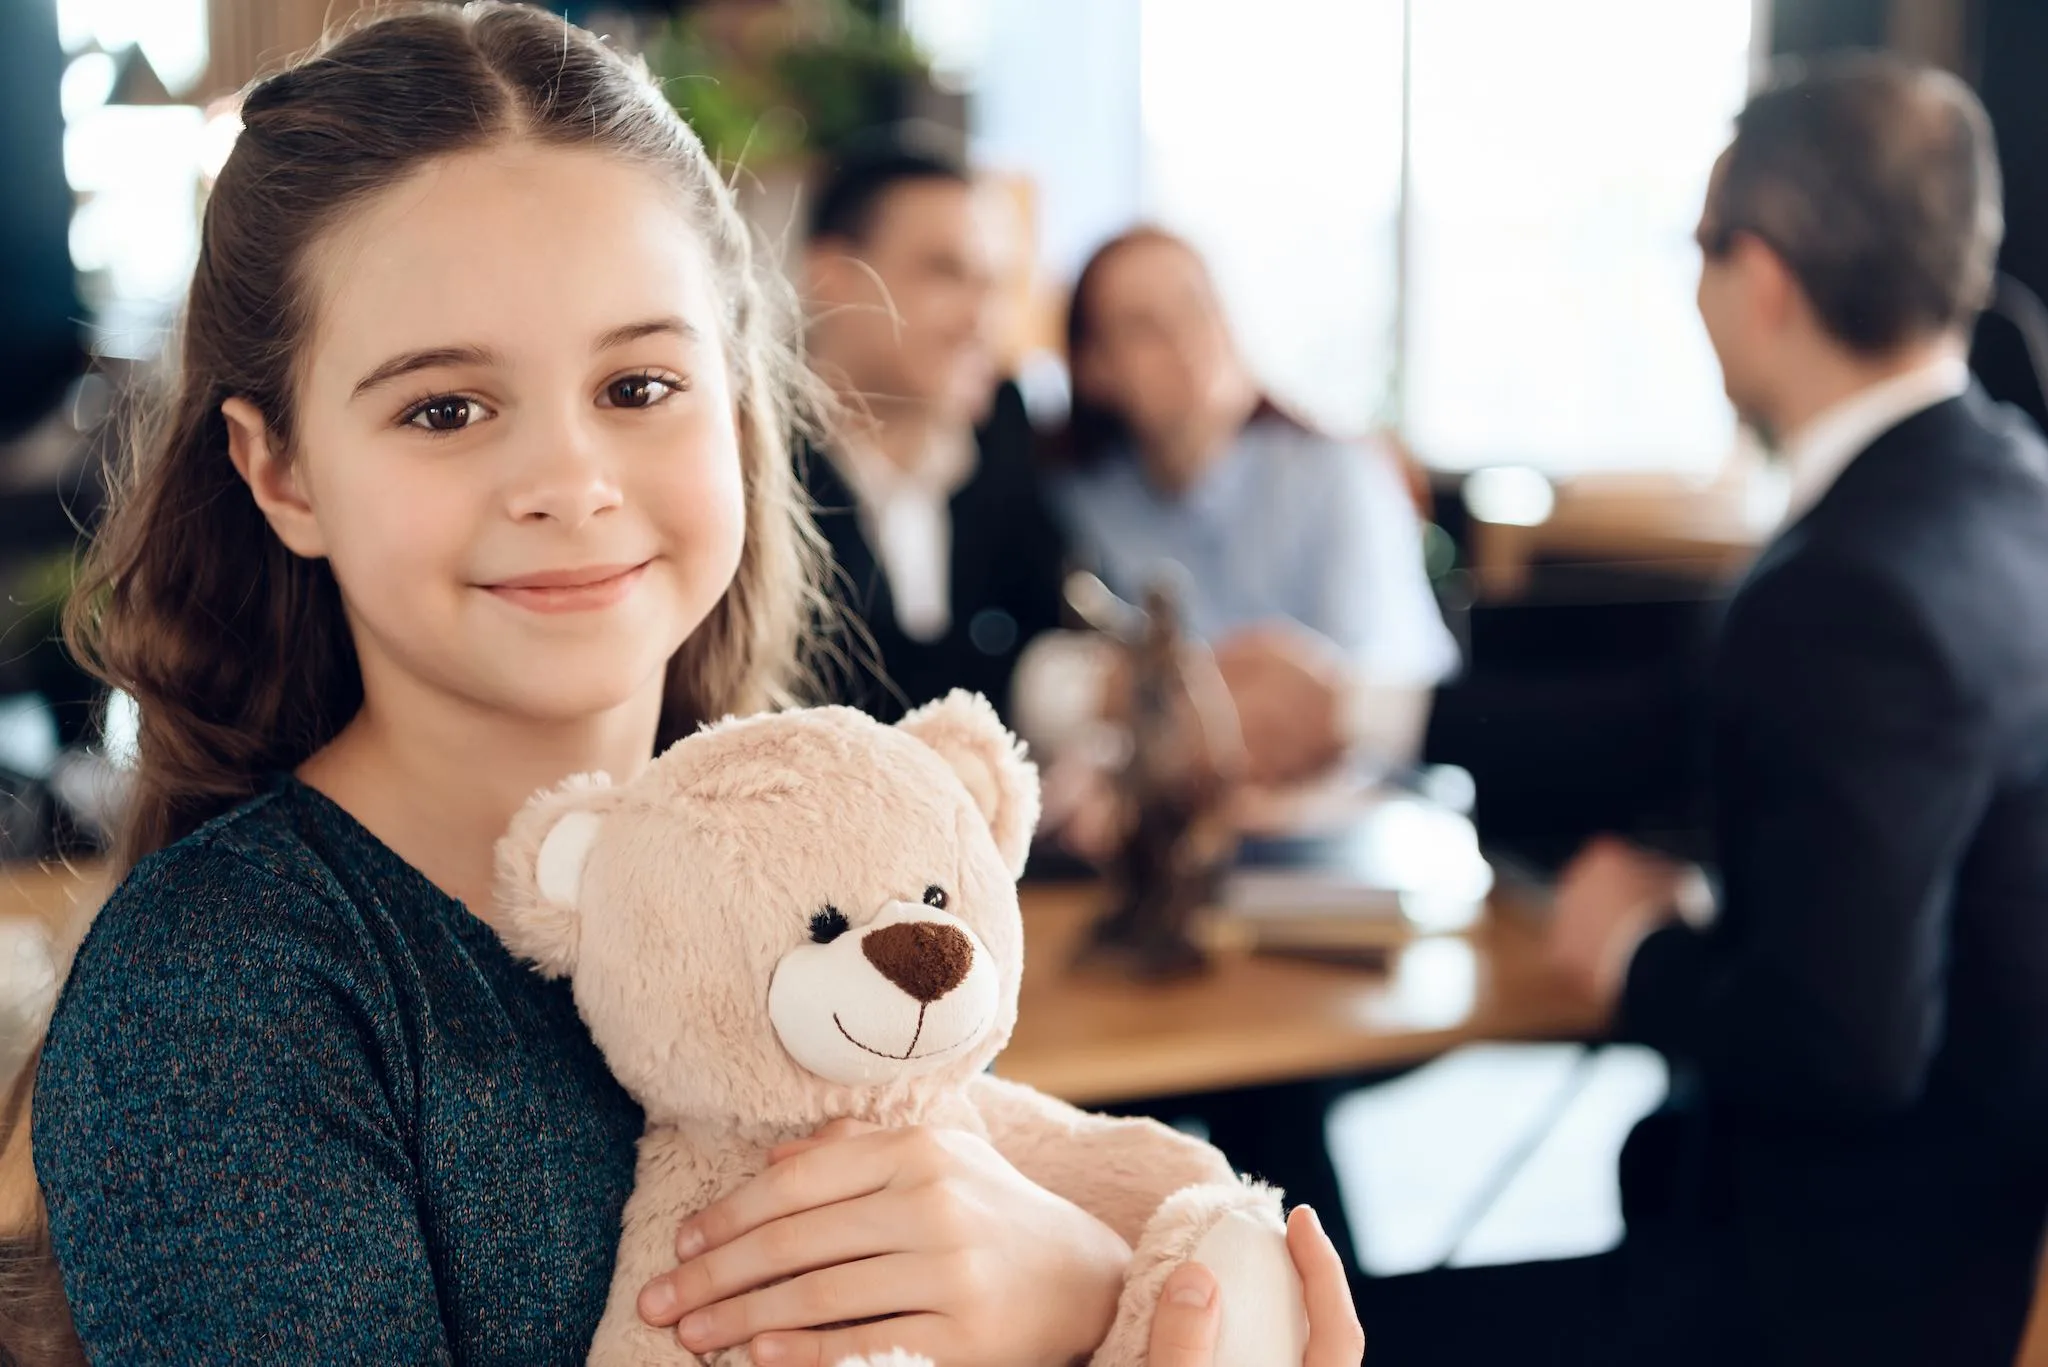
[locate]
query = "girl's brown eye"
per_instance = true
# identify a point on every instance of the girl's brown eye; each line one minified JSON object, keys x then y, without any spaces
{"x":447,"y":413}
{"x":638,"y":391}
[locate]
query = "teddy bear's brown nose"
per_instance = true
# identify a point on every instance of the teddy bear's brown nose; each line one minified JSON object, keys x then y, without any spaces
{"x":924,"y":958}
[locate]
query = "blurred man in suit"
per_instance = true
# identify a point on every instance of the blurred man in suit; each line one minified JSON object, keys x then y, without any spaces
{"x":1855,"y":1166}
{"x":928,"y":492}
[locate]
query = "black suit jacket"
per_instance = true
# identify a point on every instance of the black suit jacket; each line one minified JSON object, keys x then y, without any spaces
{"x":1008,"y":562}
{"x":1867,"y":1024}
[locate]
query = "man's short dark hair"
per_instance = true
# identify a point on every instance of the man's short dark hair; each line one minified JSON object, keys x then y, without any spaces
{"x":1877,"y":183}
{"x":863,"y":176}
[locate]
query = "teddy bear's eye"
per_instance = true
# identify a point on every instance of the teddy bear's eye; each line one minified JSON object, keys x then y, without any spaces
{"x":827,"y":925}
{"x":935,"y":896}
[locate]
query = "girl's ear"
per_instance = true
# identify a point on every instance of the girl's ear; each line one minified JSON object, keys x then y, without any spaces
{"x":273,"y":481}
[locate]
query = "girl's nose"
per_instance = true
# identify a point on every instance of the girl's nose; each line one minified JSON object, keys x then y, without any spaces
{"x":565,"y":478}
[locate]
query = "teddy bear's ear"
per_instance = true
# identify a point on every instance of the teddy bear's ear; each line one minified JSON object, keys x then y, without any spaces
{"x":968,"y":735}
{"x":540,"y":871}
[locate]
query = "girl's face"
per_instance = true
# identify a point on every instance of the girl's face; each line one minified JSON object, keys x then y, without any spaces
{"x":1160,"y":354}
{"x":516,"y":434}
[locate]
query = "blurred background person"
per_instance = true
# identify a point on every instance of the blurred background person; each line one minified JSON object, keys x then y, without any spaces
{"x":926,"y":491}
{"x":1298,"y":557}
{"x":1852,"y":1168}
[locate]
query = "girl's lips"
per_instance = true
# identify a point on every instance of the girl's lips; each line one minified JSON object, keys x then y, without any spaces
{"x":577,"y":590}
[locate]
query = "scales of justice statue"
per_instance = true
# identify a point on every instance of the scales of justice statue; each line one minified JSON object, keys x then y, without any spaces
{"x":1184,"y":760}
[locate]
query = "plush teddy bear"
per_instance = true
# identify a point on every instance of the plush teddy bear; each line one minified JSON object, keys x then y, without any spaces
{"x":806,"y":915}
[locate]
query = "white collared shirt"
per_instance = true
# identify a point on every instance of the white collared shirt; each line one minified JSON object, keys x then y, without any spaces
{"x":907,"y":517}
{"x":1817,"y":453}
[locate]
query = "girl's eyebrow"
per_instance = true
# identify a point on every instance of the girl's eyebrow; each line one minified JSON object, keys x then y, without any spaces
{"x":633,"y":332}
{"x":407,"y":362}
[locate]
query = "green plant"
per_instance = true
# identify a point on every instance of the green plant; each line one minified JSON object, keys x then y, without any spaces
{"x":32,"y":598}
{"x":764,"y":91}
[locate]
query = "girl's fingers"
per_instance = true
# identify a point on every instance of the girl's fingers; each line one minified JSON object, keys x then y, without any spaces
{"x":888,"y":1343}
{"x":825,"y":1175}
{"x":843,"y":1232}
{"x":893,"y":1285}
{"x":1334,"y":1336}
{"x":1186,"y":1321}
{"x":814,"y":1177}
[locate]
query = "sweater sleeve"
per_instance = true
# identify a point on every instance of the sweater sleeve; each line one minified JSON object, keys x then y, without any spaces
{"x":221,"y":1130}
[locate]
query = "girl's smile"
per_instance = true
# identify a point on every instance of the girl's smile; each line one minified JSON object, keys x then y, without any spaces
{"x":588,"y":589}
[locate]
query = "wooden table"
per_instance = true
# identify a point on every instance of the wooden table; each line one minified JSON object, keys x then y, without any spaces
{"x":1253,"y":1050}
{"x":57,"y":902}
{"x":1257,"y":1020}
{"x":55,"y":896}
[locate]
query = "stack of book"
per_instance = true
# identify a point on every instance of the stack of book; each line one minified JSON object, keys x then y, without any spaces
{"x":1399,"y":867}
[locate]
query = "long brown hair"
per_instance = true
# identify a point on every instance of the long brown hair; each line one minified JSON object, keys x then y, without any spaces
{"x":1093,"y":430}
{"x":236,"y":650}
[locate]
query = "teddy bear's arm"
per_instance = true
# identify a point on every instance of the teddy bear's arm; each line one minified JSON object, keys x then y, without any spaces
{"x":1118,"y":1170}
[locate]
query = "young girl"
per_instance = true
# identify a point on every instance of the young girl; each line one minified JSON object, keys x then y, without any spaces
{"x":477,"y":476}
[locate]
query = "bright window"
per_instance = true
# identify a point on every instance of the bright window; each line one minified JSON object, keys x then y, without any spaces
{"x":1272,"y":140}
{"x":1556,"y":155}
{"x":135,"y":167}
{"x":1558,"y":169}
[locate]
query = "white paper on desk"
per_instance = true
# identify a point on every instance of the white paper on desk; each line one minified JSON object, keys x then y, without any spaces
{"x":1279,"y":892}
{"x":1404,"y":861}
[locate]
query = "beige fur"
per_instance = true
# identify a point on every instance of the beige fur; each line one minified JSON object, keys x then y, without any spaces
{"x":694,"y":913}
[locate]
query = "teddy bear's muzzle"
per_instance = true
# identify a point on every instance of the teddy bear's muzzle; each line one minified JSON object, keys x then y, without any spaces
{"x":908,"y":993}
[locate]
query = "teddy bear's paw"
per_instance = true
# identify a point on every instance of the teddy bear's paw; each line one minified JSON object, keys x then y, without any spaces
{"x":1236,"y":1231}
{"x":1263,"y":1324}
{"x":895,"y":1357}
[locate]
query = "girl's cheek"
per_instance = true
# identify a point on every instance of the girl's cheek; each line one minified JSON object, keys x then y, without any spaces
{"x":407,"y":524}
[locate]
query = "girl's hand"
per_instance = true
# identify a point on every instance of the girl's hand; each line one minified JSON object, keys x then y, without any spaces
{"x":930,"y":1226}
{"x":1185,"y":1326}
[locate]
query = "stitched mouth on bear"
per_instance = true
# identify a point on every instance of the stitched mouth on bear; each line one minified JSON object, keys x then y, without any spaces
{"x":911,"y":1054}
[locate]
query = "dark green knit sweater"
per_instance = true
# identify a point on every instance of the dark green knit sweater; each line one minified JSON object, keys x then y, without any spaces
{"x":298,"y":1105}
